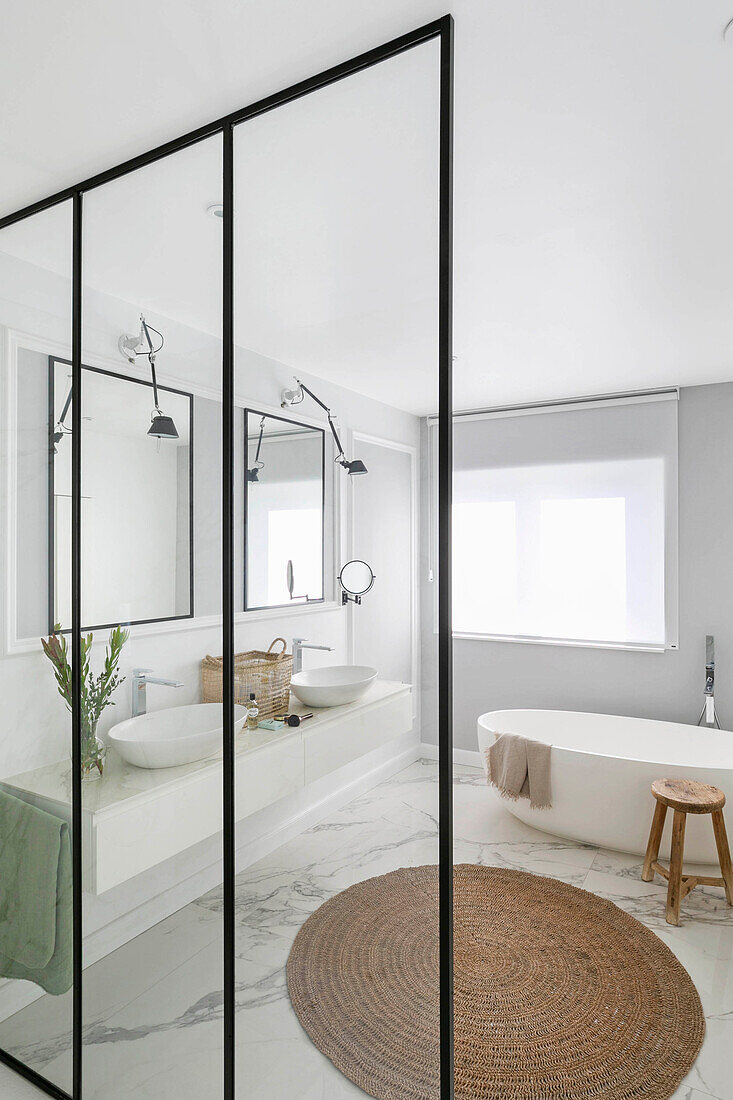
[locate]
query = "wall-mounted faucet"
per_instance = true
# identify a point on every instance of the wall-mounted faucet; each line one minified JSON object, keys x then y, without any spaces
{"x":299,"y":644}
{"x":141,"y":677}
{"x":708,"y":709}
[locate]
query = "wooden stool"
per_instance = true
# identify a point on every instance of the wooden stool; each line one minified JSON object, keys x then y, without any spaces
{"x":686,"y":796}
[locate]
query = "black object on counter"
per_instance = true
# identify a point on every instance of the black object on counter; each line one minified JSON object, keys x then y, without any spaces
{"x":293,"y":719}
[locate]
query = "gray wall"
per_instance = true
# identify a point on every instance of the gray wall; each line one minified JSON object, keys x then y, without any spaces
{"x":494,"y":675}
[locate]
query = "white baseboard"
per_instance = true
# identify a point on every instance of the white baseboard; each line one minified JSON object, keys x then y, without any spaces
{"x":257,"y":836}
{"x":469,"y":757}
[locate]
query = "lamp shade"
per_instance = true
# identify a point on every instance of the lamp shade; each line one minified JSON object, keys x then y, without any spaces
{"x":162,"y":427}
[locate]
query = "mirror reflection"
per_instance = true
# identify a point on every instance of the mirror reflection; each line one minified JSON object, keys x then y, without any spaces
{"x":284,"y":511}
{"x":134,"y":481}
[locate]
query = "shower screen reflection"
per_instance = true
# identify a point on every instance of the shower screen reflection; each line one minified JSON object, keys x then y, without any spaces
{"x":284,"y":532}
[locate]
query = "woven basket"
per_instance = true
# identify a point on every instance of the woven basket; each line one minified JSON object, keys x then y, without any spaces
{"x":265,"y":673}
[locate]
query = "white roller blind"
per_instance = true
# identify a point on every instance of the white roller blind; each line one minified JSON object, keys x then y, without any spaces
{"x":565,"y":523}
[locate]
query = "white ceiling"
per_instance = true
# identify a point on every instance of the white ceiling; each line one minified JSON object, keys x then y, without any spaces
{"x":594,"y":165}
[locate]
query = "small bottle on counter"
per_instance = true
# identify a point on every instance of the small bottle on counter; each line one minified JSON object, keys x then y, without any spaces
{"x":253,"y":712}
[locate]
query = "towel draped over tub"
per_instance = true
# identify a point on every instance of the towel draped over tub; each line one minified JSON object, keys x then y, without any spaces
{"x":35,"y":895}
{"x":520,"y":768}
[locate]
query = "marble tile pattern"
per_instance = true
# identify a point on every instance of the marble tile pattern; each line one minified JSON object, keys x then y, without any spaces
{"x":154,"y":1007}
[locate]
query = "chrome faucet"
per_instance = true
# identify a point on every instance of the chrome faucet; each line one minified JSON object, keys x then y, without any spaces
{"x":708,"y":711}
{"x":141,"y":677}
{"x":299,"y":644}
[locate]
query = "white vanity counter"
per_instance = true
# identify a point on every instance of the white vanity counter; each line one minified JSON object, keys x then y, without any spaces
{"x":135,"y":818}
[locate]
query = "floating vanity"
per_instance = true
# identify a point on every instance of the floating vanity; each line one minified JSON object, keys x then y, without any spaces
{"x":135,"y":818}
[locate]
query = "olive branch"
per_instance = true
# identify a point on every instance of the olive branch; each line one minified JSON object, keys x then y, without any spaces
{"x":96,"y":691}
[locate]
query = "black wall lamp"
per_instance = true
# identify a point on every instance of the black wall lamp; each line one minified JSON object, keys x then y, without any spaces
{"x":161,"y":426}
{"x":60,"y":429}
{"x":294,"y":397}
{"x":253,"y":474}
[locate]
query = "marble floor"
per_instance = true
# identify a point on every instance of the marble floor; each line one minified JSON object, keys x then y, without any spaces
{"x":154,"y":1007}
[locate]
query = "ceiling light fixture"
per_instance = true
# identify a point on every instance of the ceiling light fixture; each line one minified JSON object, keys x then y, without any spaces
{"x":294,"y":397}
{"x":216,"y":210}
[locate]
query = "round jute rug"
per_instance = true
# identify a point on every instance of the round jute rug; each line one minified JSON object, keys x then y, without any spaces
{"x":558,"y":993}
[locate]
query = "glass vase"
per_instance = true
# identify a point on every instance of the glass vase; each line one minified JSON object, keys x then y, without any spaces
{"x":93,"y":754}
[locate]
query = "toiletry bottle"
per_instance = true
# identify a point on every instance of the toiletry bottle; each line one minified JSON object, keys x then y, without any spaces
{"x":253,"y":712}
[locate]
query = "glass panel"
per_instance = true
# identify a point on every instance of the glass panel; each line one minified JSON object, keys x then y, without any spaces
{"x":336,"y":252}
{"x":153,"y":950}
{"x":285,"y":488}
{"x":36,"y":964}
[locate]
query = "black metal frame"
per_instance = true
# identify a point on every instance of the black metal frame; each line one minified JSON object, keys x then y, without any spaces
{"x":52,"y":359}
{"x":442,"y":30}
{"x":310,"y":428}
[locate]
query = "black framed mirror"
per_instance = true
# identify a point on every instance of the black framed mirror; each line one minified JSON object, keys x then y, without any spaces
{"x":284,"y":511}
{"x":137,"y":500}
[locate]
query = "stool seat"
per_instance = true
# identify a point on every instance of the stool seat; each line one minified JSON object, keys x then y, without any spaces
{"x":688,"y":795}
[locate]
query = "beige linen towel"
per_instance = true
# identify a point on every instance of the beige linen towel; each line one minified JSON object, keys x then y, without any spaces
{"x":520,"y":768}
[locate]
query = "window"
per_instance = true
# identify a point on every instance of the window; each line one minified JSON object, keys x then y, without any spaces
{"x":577,"y":543}
{"x":286,"y":535}
{"x":281,"y":523}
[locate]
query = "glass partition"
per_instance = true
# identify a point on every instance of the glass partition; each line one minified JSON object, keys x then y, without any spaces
{"x":211,"y":561}
{"x":151,"y":550}
{"x":336,"y":261}
{"x":36,"y":905}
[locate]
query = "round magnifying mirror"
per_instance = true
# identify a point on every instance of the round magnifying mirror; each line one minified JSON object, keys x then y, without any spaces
{"x":291,"y":578}
{"x":356,"y":577}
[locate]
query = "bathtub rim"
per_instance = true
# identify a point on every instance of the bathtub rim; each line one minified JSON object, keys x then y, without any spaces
{"x":697,"y":767}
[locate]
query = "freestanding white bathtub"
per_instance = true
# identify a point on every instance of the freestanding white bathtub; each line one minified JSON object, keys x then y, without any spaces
{"x":602,"y":769}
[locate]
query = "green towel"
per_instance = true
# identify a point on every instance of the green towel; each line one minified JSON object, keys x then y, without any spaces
{"x":35,"y":895}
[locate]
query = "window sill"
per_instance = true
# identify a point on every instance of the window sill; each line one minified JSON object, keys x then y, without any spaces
{"x":628,"y":647}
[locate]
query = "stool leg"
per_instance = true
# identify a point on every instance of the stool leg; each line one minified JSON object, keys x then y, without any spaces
{"x":655,"y":839}
{"x":721,"y":841}
{"x":675,"y":867}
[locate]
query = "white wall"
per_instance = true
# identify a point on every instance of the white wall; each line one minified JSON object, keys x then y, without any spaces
{"x":383,"y":537}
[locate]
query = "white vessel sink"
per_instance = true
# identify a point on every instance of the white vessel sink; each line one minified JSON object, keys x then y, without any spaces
{"x":333,"y":685}
{"x":177,"y":735}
